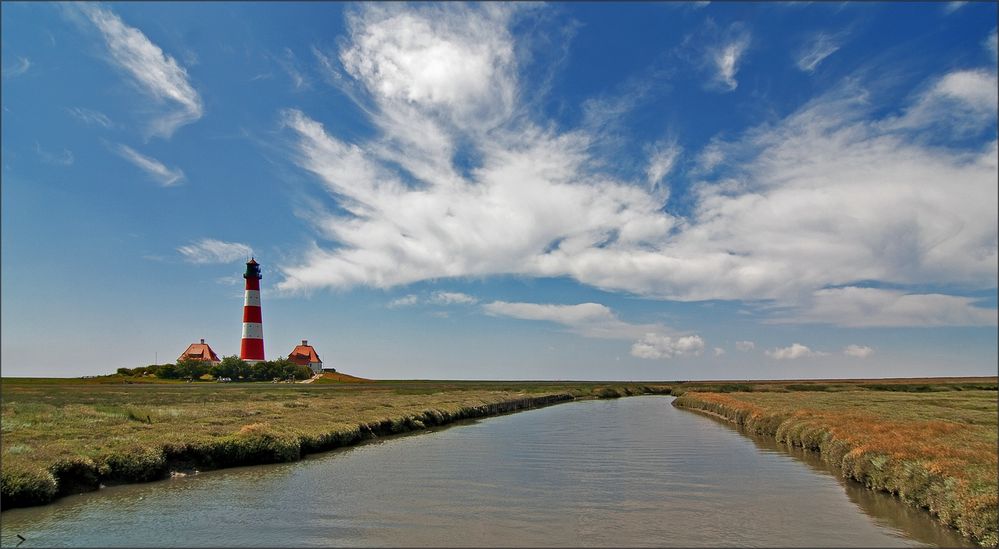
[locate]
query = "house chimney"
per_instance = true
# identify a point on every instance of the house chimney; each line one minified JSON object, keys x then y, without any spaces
{"x":305,"y":342}
{"x":202,"y":341}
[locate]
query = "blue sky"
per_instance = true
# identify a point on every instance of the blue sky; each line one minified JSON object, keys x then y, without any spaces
{"x":504,"y":191}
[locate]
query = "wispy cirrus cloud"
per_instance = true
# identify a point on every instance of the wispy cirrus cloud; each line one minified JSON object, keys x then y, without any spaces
{"x":155,"y":73}
{"x":404,"y":301}
{"x":90,"y":117}
{"x":435,"y":298}
{"x":595,"y":320}
{"x":874,"y":307}
{"x":745,"y":346}
{"x":293,"y":68}
{"x":820,"y":46}
{"x":951,"y":7}
{"x":210,"y":250}
{"x":963,"y":101}
{"x":18,"y":68}
{"x":726,"y":57}
{"x":662,"y":158}
{"x":62,"y":158}
{"x":167,"y":177}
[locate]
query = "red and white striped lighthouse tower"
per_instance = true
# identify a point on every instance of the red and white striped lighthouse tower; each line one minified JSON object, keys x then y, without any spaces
{"x":251,"y":348}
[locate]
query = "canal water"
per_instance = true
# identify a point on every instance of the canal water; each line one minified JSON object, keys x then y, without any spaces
{"x":628,"y":472}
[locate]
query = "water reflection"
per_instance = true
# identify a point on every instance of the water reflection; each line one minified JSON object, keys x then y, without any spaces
{"x":882,"y":507}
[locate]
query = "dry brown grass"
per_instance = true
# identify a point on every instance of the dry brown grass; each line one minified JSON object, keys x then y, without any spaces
{"x":936,"y":450}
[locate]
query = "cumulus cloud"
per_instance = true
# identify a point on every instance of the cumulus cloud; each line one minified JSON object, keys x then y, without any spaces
{"x":456,"y":60}
{"x":664,"y":346}
{"x":745,"y":346}
{"x":459,"y":182}
{"x":874,"y":307}
{"x":719,"y":351}
{"x":167,"y":177}
{"x":157,"y":74}
{"x":858,"y":351}
{"x":822,"y":45}
{"x":209,"y":250}
{"x":796,"y":350}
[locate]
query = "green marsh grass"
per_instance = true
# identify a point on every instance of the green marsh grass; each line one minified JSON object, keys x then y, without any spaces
{"x":74,"y":435}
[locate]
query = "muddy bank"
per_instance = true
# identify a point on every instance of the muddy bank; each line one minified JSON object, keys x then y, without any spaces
{"x":252,"y":445}
{"x":918,"y":482}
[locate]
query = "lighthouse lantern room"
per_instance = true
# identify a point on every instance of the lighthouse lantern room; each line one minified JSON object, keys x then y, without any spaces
{"x":251,"y":348}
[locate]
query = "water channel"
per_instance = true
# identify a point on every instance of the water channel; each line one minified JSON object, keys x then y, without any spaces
{"x":627,"y":472}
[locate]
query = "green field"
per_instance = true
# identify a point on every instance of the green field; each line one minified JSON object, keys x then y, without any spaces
{"x":934,"y":448}
{"x":70,"y":435}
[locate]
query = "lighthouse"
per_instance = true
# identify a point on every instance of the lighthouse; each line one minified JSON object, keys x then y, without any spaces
{"x":251,"y":348}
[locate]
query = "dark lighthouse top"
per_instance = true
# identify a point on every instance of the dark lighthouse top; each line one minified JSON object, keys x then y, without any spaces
{"x":252,"y":270}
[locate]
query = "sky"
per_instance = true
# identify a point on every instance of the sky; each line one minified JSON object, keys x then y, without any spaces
{"x":588,"y":191}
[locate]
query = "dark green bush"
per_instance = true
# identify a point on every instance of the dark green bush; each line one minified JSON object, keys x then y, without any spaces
{"x":24,"y":488}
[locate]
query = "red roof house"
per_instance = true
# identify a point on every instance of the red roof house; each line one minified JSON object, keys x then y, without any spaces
{"x":305,"y":355}
{"x":199,"y":351}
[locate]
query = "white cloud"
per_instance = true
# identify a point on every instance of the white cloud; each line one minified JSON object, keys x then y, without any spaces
{"x":156,"y":73}
{"x":858,"y":351}
{"x":663,"y":346}
{"x":167,"y":177}
{"x":727,"y":56}
{"x":826,"y":197}
{"x":291,"y":66}
{"x":820,"y":47}
{"x":662,"y":158}
{"x":951,"y":7}
{"x":452,"y":298}
{"x":796,"y":350}
{"x":594,"y":320}
{"x":18,"y":68}
{"x":404,"y":301}
{"x":436,"y":298}
{"x":710,"y":157}
{"x":992,"y":45}
{"x":962,"y":100}
{"x":719,"y":351}
{"x":64,"y":158}
{"x":456,"y":58}
{"x":570,"y":315}
{"x":745,"y":346}
{"x":872,"y":307}
{"x":209,"y":250}
{"x":90,"y":117}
